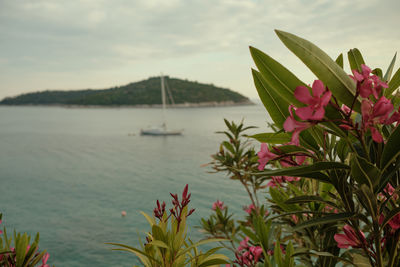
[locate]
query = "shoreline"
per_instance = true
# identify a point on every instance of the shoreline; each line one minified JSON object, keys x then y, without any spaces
{"x":155,"y":106}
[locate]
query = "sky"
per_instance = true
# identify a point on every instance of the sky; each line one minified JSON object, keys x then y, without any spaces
{"x":79,"y":44}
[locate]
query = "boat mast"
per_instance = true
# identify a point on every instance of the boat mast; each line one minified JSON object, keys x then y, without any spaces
{"x":163,"y":98}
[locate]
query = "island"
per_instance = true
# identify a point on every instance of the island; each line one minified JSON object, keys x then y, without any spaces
{"x":146,"y":93}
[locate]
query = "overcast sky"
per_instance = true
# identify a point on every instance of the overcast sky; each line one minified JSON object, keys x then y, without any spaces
{"x":50,"y":44}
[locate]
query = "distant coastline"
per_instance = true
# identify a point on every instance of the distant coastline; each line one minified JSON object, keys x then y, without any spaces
{"x":144,"y":106}
{"x":146,"y":94}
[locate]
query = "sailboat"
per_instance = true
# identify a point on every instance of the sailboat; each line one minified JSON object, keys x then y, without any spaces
{"x":162,"y":131}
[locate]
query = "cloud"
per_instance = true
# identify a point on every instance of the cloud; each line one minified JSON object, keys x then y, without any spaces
{"x":46,"y":38}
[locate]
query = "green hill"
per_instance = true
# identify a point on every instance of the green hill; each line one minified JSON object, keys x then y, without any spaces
{"x":145,"y":92}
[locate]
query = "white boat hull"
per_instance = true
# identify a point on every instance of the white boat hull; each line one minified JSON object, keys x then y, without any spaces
{"x":159,"y":132}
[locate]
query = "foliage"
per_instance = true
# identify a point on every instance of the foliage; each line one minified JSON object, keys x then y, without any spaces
{"x":167,"y":244}
{"x":331,"y":166}
{"x":145,"y":92}
{"x":18,"y":251}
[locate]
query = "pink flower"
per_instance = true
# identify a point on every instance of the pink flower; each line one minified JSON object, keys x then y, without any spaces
{"x":279,"y":180}
{"x":248,"y":256}
{"x":349,"y":238}
{"x":257,"y":252}
{"x":367,"y":84}
{"x":244,"y":244}
{"x":316,"y":103}
{"x":373,"y":114}
{"x":249,"y":209}
{"x":264,"y":156}
{"x":345,"y":109}
{"x":44,"y":260}
{"x":395,"y":222}
{"x":291,"y":125}
{"x":218,"y":204}
{"x":295,"y":218}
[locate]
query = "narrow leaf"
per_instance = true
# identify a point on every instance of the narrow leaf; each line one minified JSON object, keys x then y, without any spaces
{"x":325,"y":220}
{"x":307,"y":199}
{"x":279,"y":78}
{"x":393,"y":84}
{"x":275,"y":105}
{"x":392,"y":149}
{"x":272,"y":138}
{"x":339,"y":60}
{"x":389,"y":71}
{"x":327,"y":70}
{"x":355,"y":59}
{"x":364,"y":172}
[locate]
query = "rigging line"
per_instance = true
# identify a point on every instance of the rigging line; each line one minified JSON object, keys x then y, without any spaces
{"x":170,"y":94}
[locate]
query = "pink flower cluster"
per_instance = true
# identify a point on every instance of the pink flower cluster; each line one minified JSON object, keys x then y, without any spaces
{"x":350,"y":238}
{"x":218,"y":205}
{"x":179,"y":206}
{"x":312,"y":113}
{"x":368,"y":84}
{"x":265,"y":156}
{"x":248,"y":255}
{"x":369,"y":87}
{"x":279,"y":180}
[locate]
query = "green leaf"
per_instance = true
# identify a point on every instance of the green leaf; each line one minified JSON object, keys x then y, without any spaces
{"x":355,"y":59}
{"x":307,"y":199}
{"x":262,"y":230}
{"x":339,"y":60}
{"x":325,"y":220}
{"x":368,"y":200}
{"x":228,"y":146}
{"x":378,"y":72}
{"x":280,"y":79}
{"x":132,"y":250}
{"x":275,"y":105}
{"x":159,"y":243}
{"x":323,"y":254}
{"x":214,"y":262}
{"x":199,"y":243}
{"x":392,"y":149}
{"x":150,"y":220}
{"x":393,"y":84}
{"x":310,"y":171}
{"x":291,"y":149}
{"x":272,"y":138}
{"x":278,"y":253}
{"x":327,"y":70}
{"x":389,"y":71}
{"x":360,"y":261}
{"x":364,"y":172}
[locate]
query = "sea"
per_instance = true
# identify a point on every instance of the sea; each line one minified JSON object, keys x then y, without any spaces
{"x":68,"y":173}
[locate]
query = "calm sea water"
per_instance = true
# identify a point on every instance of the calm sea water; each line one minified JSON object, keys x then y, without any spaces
{"x":68,"y":174}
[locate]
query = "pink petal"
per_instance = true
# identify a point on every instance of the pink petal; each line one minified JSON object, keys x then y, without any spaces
{"x":289,"y":124}
{"x":318,"y":88}
{"x":365,"y":70}
{"x":303,"y":94}
{"x":261,"y":163}
{"x":357,"y":76}
{"x":366,"y":108}
{"x":342,"y":240}
{"x":376,"y":136}
{"x":326,"y":98}
{"x":319,"y":114}
{"x":295,"y":137}
{"x":304,"y":113}
{"x":366,"y":89}
{"x":300,"y":159}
